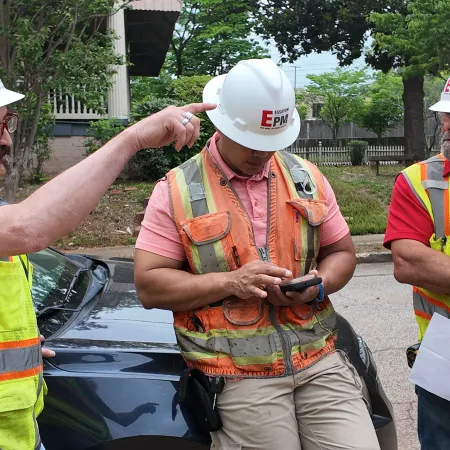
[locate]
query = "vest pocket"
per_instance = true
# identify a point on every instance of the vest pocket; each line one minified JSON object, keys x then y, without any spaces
{"x":307,"y":216}
{"x":12,"y":297}
{"x":208,"y":242}
{"x":17,"y":427}
{"x":237,"y":329}
{"x":18,"y":394}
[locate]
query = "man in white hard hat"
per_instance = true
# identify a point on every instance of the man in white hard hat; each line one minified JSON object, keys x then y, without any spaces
{"x":417,"y":233}
{"x":220,"y":234}
{"x":31,"y":225}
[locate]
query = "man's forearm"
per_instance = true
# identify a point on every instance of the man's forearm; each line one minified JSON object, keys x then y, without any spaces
{"x":423,"y":267}
{"x":336,"y":270}
{"x":177,"y":290}
{"x":59,"y":206}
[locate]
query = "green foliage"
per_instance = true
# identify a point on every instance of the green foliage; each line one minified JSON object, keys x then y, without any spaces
{"x":363,"y":199}
{"x":61,"y":48}
{"x":357,"y":151}
{"x":212,"y":36}
{"x":383,"y":107}
{"x":100,"y":132}
{"x":144,"y":88}
{"x":152,"y":164}
{"x":41,"y":150}
{"x":342,"y":94}
{"x":302,"y":111}
{"x":415,"y":37}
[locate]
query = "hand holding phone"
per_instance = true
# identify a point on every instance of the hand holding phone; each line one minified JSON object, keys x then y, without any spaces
{"x":300,"y":284}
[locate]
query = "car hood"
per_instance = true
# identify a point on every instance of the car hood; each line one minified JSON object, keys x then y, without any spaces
{"x":117,"y":318}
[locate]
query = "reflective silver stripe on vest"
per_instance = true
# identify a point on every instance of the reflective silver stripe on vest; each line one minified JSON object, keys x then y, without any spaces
{"x":256,"y":345}
{"x":4,"y":258}
{"x":292,"y":162}
{"x":435,"y":169}
{"x":423,"y":305}
{"x":199,"y":205}
{"x":19,"y":359}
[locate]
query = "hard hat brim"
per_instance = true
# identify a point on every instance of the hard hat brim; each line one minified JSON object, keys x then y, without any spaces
{"x":441,"y":106}
{"x":7,"y":97}
{"x":267,"y":143}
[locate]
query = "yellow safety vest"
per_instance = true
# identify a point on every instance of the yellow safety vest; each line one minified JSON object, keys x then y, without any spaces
{"x":21,"y":381}
{"x":432,"y":189}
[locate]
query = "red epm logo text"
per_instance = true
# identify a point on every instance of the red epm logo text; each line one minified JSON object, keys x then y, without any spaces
{"x":274,"y":119}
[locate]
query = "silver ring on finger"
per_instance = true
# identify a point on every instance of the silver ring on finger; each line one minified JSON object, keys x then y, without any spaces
{"x":187,"y":118}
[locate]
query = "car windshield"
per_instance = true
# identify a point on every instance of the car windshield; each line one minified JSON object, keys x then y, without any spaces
{"x":52,"y":276}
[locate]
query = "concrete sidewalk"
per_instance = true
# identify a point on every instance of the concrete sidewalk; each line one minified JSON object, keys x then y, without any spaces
{"x":368,"y":249}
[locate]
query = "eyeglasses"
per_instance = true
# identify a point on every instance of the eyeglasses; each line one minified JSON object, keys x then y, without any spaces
{"x":9,"y":123}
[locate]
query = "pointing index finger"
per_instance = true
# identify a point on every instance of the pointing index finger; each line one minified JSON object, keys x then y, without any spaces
{"x":196,"y":108}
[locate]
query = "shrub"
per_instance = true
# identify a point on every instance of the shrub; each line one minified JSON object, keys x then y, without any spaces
{"x":357,"y":151}
{"x":100,"y":132}
{"x":152,"y":164}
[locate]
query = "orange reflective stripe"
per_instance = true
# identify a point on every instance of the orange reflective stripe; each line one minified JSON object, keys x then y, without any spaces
{"x":19,"y":344}
{"x":431,"y":300}
{"x":446,"y":213}
{"x":422,"y":314}
{"x":21,"y":374}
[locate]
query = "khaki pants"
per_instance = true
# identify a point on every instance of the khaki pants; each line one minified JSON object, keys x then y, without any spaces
{"x":320,"y":408}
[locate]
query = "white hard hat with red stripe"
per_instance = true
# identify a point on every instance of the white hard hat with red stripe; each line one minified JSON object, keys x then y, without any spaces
{"x":255,"y":105}
{"x":7,"y":97}
{"x":444,"y":104}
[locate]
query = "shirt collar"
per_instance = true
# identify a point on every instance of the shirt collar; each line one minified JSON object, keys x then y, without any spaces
{"x":229,"y":173}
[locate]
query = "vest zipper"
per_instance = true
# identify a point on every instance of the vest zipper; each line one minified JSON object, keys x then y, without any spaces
{"x":264,"y":254}
{"x":286,"y":343}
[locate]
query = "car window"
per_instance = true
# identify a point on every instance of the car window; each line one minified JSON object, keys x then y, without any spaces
{"x":52,"y":276}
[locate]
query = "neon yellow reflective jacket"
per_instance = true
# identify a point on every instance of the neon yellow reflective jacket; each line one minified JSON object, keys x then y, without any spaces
{"x":432,"y":190}
{"x":21,"y":381}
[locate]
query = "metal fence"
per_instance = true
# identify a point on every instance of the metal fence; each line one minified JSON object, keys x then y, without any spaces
{"x":340,"y":156}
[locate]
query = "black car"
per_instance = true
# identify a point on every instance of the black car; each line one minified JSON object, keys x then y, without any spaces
{"x":113,"y":382}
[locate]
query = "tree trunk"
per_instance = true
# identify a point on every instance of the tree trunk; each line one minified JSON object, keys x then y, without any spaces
{"x":413,"y":96}
{"x":11,"y":184}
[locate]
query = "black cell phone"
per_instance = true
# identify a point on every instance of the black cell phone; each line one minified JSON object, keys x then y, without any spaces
{"x":300,"y":284}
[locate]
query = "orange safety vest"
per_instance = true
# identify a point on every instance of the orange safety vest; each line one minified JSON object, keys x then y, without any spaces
{"x":251,"y":338}
{"x":432,"y":189}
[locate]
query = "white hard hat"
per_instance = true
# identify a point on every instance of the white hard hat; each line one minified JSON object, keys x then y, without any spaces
{"x":255,"y":105}
{"x":444,"y":104}
{"x":7,"y":97}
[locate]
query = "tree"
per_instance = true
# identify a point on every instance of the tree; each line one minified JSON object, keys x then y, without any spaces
{"x":63,"y":46}
{"x":342,"y":94}
{"x":300,"y":27}
{"x":382,"y":109}
{"x":211,"y":36}
{"x":415,"y":39}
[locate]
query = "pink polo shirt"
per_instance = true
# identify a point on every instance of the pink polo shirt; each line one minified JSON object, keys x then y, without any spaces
{"x":159,"y":234}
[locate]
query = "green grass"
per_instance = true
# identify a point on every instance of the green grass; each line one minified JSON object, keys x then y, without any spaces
{"x":364,"y":199}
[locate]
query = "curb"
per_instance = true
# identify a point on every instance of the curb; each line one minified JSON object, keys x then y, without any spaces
{"x":128,"y":252}
{"x":375,"y":257}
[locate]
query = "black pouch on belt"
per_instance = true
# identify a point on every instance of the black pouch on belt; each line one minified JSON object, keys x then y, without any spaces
{"x":411,"y":354}
{"x":199,"y":395}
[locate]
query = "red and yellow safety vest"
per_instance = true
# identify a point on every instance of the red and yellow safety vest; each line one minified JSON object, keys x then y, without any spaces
{"x":432,"y":190}
{"x":21,"y":382}
{"x":251,"y":338}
